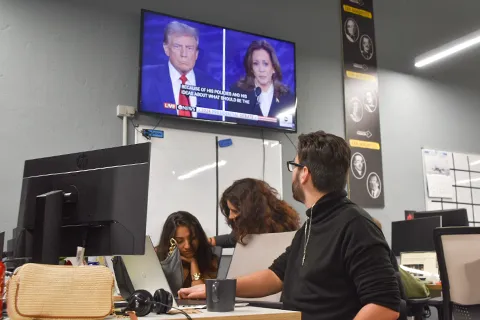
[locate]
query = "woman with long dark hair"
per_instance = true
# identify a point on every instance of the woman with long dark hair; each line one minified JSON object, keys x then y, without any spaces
{"x":252,"y":206}
{"x":262,"y":83}
{"x":198,"y":260}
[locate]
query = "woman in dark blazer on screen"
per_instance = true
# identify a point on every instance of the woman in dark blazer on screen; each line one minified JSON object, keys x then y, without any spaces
{"x":262,"y":84}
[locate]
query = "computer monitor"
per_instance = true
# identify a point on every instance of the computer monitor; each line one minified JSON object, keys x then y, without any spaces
{"x":450,"y":218}
{"x":95,"y":199}
{"x":2,"y":241}
{"x":414,"y":235}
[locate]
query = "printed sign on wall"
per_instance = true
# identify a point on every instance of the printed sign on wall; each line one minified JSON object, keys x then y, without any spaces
{"x":362,"y":117}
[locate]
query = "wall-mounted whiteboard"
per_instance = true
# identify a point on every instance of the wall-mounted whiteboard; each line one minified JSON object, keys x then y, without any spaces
{"x":183,"y":174}
{"x":461,"y":190}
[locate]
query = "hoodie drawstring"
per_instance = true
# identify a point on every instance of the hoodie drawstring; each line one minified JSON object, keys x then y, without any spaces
{"x":307,"y":233}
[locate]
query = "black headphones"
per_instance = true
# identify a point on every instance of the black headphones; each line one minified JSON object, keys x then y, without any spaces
{"x":142,"y":303}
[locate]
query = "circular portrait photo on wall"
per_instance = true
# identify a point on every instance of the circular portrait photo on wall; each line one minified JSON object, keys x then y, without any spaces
{"x":374,"y":185}
{"x":370,"y":101}
{"x":358,"y":165}
{"x":366,"y":47}
{"x":356,"y":109}
{"x":351,"y":30}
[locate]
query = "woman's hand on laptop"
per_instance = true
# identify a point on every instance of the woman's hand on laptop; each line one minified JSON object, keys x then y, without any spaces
{"x":195,"y":292}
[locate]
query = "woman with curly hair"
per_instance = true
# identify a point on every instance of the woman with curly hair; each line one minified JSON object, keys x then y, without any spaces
{"x":251,"y":206}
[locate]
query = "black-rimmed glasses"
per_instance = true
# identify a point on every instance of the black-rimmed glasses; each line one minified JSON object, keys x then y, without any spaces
{"x":292,"y":164}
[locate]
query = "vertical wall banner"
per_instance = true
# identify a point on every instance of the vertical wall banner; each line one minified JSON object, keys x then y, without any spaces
{"x":362,"y":117}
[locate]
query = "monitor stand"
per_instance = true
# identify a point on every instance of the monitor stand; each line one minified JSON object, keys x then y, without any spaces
{"x":48,"y":221}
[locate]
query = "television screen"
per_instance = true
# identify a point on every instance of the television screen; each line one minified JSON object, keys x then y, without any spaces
{"x":195,"y":70}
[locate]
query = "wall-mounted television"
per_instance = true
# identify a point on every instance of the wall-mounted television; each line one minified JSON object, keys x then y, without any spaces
{"x":200,"y":71}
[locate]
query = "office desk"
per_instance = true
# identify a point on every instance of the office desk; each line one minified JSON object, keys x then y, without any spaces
{"x":241,"y":313}
{"x":434,"y":287}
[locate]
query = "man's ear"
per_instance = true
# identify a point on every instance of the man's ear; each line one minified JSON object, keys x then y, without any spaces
{"x":304,"y":175}
{"x":165,"y":48}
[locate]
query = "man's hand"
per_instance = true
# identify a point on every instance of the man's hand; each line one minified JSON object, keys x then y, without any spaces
{"x":259,"y":284}
{"x":195,"y":292}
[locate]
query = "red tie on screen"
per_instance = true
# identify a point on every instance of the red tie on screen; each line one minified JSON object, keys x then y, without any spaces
{"x":183,"y":99}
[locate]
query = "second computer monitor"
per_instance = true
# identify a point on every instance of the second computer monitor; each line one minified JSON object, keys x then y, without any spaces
{"x":414,"y":235}
{"x":450,"y":218}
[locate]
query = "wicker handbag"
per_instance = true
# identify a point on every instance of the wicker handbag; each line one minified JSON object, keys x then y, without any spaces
{"x":60,"y":292}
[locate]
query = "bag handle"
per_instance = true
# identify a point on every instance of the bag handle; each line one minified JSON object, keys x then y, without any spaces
{"x":173,"y":245}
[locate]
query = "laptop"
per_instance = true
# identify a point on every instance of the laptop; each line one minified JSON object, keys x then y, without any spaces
{"x":146,"y":273}
{"x":259,"y":258}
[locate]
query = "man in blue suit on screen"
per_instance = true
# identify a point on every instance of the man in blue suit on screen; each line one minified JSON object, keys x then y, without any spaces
{"x":161,"y":85}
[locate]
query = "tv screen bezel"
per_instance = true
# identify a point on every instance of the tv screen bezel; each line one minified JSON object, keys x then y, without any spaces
{"x":140,"y":72}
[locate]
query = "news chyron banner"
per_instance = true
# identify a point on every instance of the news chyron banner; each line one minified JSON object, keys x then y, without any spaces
{"x":362,"y":117}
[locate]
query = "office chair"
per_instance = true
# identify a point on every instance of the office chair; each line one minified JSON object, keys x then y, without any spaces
{"x":458,"y":254}
{"x":410,"y":307}
{"x":437,"y":303}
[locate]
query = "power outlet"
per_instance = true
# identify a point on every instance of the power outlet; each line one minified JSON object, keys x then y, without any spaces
{"x":126,"y":111}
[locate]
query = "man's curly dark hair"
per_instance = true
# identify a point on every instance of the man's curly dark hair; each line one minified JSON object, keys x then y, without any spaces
{"x":260,"y":209}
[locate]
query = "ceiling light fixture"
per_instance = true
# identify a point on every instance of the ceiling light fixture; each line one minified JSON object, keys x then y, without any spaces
{"x":448,"y":49}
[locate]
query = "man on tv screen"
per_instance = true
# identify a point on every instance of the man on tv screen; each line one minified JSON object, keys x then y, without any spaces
{"x":164,"y":94}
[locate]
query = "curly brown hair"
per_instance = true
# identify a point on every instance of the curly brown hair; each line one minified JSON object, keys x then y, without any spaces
{"x":261,"y":211}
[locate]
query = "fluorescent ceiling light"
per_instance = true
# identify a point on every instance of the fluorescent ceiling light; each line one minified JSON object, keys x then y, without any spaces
{"x":201,"y":169}
{"x":448,"y":49}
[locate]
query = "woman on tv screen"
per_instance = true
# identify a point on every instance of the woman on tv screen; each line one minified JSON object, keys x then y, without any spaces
{"x":262,"y":83}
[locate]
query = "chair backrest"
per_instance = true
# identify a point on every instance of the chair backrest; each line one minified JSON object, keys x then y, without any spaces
{"x":458,"y":254}
{"x":258,"y":254}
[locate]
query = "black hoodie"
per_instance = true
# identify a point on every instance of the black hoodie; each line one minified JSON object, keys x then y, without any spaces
{"x":347,"y":264}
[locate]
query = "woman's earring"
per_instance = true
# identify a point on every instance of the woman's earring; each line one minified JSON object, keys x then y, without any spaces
{"x":173,"y":245}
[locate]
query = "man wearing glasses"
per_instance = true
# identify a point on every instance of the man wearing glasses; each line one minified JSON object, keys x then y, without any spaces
{"x":338,"y":265}
{"x":181,"y":45}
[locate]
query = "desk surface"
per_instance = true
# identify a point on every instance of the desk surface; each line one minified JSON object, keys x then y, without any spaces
{"x":243,"y":313}
{"x":435,"y":287}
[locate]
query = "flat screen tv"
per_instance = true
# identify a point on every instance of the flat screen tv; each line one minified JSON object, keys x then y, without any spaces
{"x":200,"y":71}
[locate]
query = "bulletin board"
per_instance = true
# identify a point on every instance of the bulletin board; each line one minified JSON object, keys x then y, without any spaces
{"x":452,"y":181}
